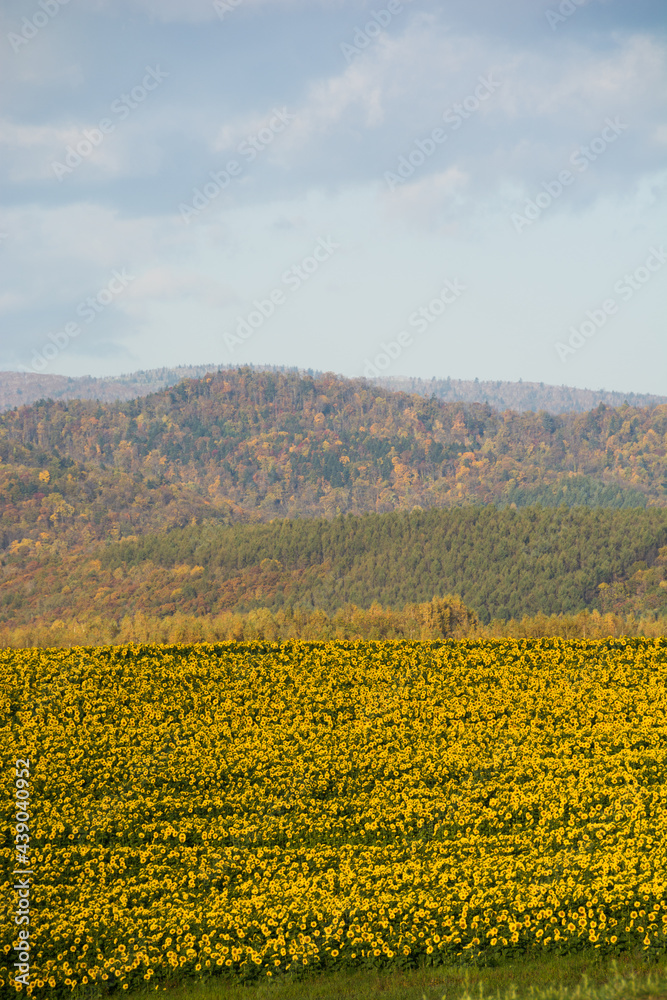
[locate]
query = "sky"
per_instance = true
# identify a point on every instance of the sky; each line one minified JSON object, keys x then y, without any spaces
{"x":460,"y":188}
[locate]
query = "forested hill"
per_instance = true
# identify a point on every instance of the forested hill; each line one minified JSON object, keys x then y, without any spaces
{"x":503,"y":564}
{"x":248,"y":445}
{"x":24,"y":388}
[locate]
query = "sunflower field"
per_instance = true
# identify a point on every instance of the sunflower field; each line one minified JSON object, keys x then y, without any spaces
{"x":264,"y":807}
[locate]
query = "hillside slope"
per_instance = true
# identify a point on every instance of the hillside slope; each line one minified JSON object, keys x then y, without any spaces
{"x":503,"y":564}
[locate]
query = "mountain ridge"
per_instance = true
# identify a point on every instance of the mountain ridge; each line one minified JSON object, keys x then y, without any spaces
{"x":25,"y":388}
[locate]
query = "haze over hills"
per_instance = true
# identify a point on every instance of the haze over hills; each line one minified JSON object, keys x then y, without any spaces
{"x":24,"y":388}
{"x":519,"y":396}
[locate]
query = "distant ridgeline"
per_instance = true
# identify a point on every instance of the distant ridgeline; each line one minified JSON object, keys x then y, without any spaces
{"x":519,"y":396}
{"x":24,"y":388}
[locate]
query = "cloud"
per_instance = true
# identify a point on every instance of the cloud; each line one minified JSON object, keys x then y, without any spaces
{"x":28,"y":149}
{"x":575,"y":84}
{"x":55,"y":258}
{"x":430,"y":201}
{"x":331,"y":104}
{"x":354,"y":125}
{"x":10,"y":301}
{"x":165,"y":284}
{"x":353,"y":98}
{"x":61,"y":254}
{"x":62,"y":154}
{"x":355,"y":117}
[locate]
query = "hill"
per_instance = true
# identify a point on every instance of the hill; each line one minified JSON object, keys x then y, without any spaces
{"x":25,"y":388}
{"x":235,"y":451}
{"x":504,"y":564}
{"x":252,"y":446}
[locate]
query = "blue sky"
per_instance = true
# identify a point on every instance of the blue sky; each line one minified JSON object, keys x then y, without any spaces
{"x":304,"y":183}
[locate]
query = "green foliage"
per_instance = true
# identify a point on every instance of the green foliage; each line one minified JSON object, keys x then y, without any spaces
{"x":504,"y":564}
{"x":579,"y":491}
{"x":584,"y":976}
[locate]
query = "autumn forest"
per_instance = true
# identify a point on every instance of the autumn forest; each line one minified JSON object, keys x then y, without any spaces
{"x":274,"y":497}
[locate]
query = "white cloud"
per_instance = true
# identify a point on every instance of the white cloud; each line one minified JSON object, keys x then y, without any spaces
{"x":325,"y":172}
{"x":548,"y":103}
{"x":168,"y":283}
{"x":9,"y":301}
{"x":660,"y":135}
{"x":41,"y":152}
{"x":574,"y":83}
{"x":29,"y":149}
{"x":59,"y":255}
{"x":356,"y":93}
{"x":428,"y":201}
